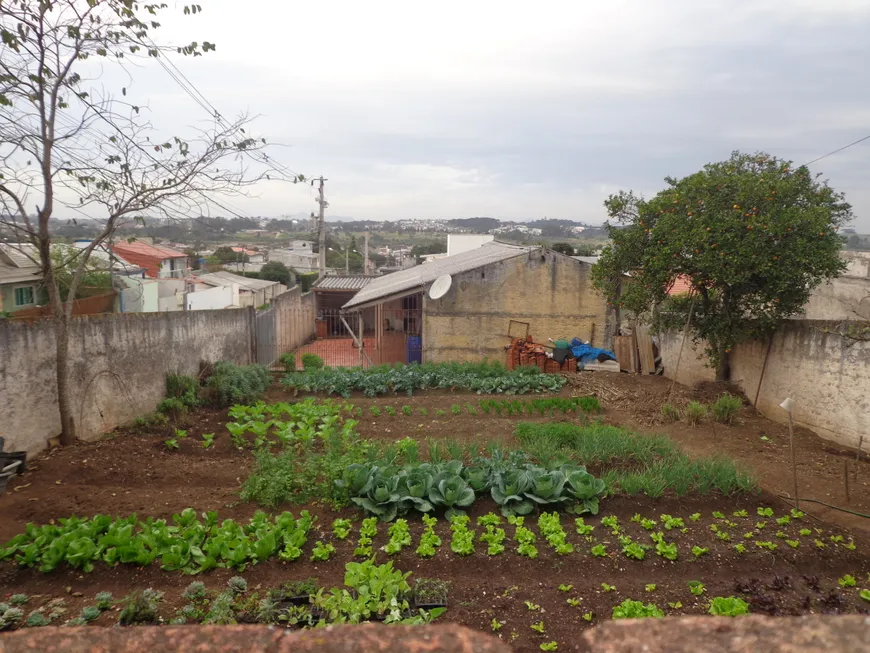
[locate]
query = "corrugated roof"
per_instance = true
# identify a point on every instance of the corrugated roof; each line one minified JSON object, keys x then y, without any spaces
{"x":228,"y":278}
{"x":420,"y":276}
{"x":340,"y":282}
{"x":16,"y":267}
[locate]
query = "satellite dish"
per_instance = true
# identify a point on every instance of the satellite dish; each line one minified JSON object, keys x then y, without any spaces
{"x":440,"y":286}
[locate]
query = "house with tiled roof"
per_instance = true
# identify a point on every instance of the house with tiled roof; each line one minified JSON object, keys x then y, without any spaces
{"x":158,"y":262}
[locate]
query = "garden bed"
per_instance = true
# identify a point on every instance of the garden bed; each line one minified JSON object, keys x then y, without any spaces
{"x":781,"y":570}
{"x":522,"y":592}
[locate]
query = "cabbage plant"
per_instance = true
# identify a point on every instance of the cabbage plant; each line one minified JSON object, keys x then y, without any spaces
{"x":383,"y":498}
{"x":508,"y":492}
{"x":452,"y":492}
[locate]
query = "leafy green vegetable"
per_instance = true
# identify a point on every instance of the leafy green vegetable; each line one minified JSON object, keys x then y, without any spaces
{"x":630,"y":609}
{"x":728,"y":606}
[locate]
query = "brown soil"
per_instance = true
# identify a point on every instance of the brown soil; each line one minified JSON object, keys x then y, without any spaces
{"x":133,"y":472}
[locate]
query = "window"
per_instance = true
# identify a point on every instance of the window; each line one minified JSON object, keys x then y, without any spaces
{"x":24,"y":296}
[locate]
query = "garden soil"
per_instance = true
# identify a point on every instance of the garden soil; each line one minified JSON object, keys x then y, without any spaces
{"x":133,"y":472}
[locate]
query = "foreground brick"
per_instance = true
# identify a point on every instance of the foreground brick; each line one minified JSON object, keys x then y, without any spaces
{"x":750,"y":634}
{"x":251,"y":639}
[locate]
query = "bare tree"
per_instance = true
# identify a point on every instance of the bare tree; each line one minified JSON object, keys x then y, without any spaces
{"x":67,"y":144}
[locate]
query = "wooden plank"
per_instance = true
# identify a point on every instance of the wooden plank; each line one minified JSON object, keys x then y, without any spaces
{"x":623,"y":347}
{"x":645,"y":347}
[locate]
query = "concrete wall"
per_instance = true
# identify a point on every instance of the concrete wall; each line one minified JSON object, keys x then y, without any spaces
{"x":118,"y":367}
{"x":827,"y":376}
{"x":213,"y":298}
{"x":139,"y":295}
{"x":169,"y":304}
{"x":552,"y":292}
{"x":294,"y":315}
{"x":458,"y":243}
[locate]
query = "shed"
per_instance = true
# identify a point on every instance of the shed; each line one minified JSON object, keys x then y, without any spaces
{"x":252,"y":292}
{"x":492,"y":286}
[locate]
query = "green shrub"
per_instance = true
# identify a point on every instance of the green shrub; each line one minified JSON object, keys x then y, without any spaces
{"x":184,"y":388}
{"x":238,"y":384}
{"x":725,"y":408}
{"x":306,"y":280}
{"x":695,"y":412}
{"x":670,"y":412}
{"x":151,"y":420}
{"x":288,"y":361}
{"x":173,"y":407}
{"x":312,"y":362}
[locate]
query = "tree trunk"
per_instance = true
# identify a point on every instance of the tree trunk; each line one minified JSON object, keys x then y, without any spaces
{"x":723,"y":367}
{"x":64,"y":401}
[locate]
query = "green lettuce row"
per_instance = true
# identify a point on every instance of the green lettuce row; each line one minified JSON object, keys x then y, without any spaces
{"x":186,"y":544}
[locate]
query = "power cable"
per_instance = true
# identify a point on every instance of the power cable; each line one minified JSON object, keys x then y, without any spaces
{"x":188,"y":87}
{"x":840,"y":149}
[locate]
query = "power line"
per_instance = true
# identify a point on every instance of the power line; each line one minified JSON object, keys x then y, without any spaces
{"x":845,"y":147}
{"x":197,"y":96}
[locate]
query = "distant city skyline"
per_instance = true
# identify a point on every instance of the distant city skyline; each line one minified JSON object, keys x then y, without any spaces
{"x":519,"y":111}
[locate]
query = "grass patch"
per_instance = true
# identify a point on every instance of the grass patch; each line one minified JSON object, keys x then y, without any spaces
{"x":596,"y":444}
{"x":670,"y":413}
{"x":695,"y":412}
{"x":632,"y":463}
{"x":725,"y":408}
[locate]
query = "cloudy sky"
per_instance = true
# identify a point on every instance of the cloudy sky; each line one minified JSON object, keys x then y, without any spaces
{"x":521,"y":110}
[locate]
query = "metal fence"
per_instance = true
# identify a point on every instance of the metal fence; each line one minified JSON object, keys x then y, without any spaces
{"x":373,"y":337}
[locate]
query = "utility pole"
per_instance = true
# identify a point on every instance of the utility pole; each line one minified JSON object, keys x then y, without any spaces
{"x":321,"y":228}
{"x":366,"y":250}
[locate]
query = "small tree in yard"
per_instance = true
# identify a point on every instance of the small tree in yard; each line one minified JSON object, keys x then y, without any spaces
{"x":752,"y":235}
{"x":277,"y":271}
{"x":68,"y":144}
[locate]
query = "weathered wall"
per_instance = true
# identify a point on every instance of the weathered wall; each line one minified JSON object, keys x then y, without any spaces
{"x":552,"y":292}
{"x":213,"y":298}
{"x":294,"y":314}
{"x":827,"y":376}
{"x":118,"y":365}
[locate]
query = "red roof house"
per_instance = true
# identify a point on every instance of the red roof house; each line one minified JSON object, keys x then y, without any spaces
{"x":682,"y":285}
{"x":158,"y":262}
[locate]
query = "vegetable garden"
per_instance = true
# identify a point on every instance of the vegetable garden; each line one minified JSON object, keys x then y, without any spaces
{"x":303,"y":511}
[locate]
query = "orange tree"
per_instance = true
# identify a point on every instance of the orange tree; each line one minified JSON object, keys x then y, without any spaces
{"x":752,"y":235}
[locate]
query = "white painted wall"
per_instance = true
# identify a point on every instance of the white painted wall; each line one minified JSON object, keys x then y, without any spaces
{"x":458,"y":243}
{"x":213,"y":298}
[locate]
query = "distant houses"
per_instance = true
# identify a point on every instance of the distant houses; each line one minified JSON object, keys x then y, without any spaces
{"x":20,"y":281}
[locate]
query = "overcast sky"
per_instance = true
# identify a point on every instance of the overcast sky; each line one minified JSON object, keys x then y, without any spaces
{"x":520,"y":110}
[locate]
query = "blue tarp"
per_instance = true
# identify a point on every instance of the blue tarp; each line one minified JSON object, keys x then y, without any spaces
{"x":587,"y":353}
